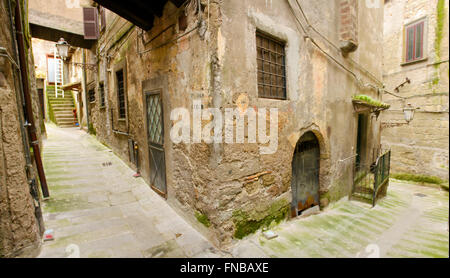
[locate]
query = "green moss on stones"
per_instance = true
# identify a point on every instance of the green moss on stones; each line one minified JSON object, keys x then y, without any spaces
{"x":440,"y":12}
{"x":249,"y":222}
{"x":92,"y":129}
{"x":371,"y":101}
{"x":417,"y":178}
{"x":439,"y":34}
{"x":202,"y":219}
{"x":336,"y":192}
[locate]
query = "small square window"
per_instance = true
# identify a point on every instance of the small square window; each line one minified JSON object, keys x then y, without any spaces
{"x":414,"y":41}
{"x":271,"y":67}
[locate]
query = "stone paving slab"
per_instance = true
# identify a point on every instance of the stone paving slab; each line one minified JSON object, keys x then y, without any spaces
{"x":102,"y":211}
{"x":400,"y":225}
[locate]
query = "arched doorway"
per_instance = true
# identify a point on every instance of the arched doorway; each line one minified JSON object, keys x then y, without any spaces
{"x":305,"y":174}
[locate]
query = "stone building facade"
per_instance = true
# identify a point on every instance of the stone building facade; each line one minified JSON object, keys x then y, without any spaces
{"x":21,"y":224}
{"x":204,"y":56}
{"x":421,"y":147}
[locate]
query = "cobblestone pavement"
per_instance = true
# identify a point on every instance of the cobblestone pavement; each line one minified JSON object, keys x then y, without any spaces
{"x":412,"y":221}
{"x":97,"y":209}
{"x":100,"y":210}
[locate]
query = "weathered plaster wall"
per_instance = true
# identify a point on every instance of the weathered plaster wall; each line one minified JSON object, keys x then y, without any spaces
{"x":181,"y":70}
{"x":64,"y":15}
{"x":40,"y":50}
{"x":207,"y":179}
{"x":319,"y":99}
{"x":422,"y":146}
{"x":19,"y":232}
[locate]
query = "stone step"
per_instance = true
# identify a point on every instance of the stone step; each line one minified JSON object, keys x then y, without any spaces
{"x":61,"y":110}
{"x":60,"y":122}
{"x":61,"y":113}
{"x":64,"y":118}
{"x":62,"y":104}
{"x":52,"y":97}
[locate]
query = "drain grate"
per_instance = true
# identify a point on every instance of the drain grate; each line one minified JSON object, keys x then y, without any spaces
{"x":420,"y":195}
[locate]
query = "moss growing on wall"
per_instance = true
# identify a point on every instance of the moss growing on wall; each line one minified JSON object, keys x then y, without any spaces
{"x":92,"y":129}
{"x":336,"y":192}
{"x":202,"y":219}
{"x":440,"y":19}
{"x":371,"y":101}
{"x":51,"y":114}
{"x":439,"y":34}
{"x":417,"y":178}
{"x":248,"y":223}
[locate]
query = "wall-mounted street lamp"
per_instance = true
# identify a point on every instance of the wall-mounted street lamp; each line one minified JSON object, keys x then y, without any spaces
{"x":63,"y":48}
{"x":408,"y":109}
{"x":408,"y":113}
{"x":63,"y":51}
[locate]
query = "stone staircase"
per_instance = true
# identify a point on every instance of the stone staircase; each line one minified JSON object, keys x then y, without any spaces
{"x":61,"y":107}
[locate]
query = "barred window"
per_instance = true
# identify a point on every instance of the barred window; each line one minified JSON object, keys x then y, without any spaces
{"x":271,"y":67}
{"x":101,"y":92}
{"x":121,"y":94}
{"x":91,"y":95}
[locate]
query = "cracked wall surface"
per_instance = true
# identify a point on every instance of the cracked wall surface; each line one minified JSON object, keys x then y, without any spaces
{"x":218,"y":66}
{"x":19,"y":231}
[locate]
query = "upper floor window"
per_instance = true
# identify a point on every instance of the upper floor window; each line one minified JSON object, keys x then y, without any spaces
{"x":91,"y":95}
{"x":101,"y":91}
{"x":90,"y":22}
{"x":121,"y":94}
{"x":414,"y":41}
{"x":271,"y":67}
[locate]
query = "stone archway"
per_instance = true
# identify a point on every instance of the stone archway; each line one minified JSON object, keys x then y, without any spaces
{"x":305,"y":183}
{"x":325,"y":163}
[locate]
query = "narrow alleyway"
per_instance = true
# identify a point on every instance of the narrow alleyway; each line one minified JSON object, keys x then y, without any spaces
{"x":98,"y":209}
{"x":412,"y":221}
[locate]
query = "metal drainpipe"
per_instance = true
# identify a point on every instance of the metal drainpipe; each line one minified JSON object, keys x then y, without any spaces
{"x":25,"y":144}
{"x":28,"y":104}
{"x":86,"y":108}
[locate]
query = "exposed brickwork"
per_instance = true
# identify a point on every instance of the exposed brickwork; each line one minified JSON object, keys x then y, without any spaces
{"x":348,"y":26}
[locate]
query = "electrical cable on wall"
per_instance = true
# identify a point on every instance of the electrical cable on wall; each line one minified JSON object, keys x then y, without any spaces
{"x":197,"y":26}
{"x":307,"y":36}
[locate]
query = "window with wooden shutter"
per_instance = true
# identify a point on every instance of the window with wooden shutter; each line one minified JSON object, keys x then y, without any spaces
{"x":102,"y":18}
{"x":414,"y":41}
{"x":90,"y":22}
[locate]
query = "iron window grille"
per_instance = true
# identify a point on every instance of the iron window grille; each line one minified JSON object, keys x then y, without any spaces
{"x":121,"y":94}
{"x":155,"y":118}
{"x":91,"y":95}
{"x":101,"y":90}
{"x":271,"y":67}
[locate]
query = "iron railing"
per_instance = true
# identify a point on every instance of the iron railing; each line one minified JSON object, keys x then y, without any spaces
{"x":382,"y":171}
{"x":371,"y":180}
